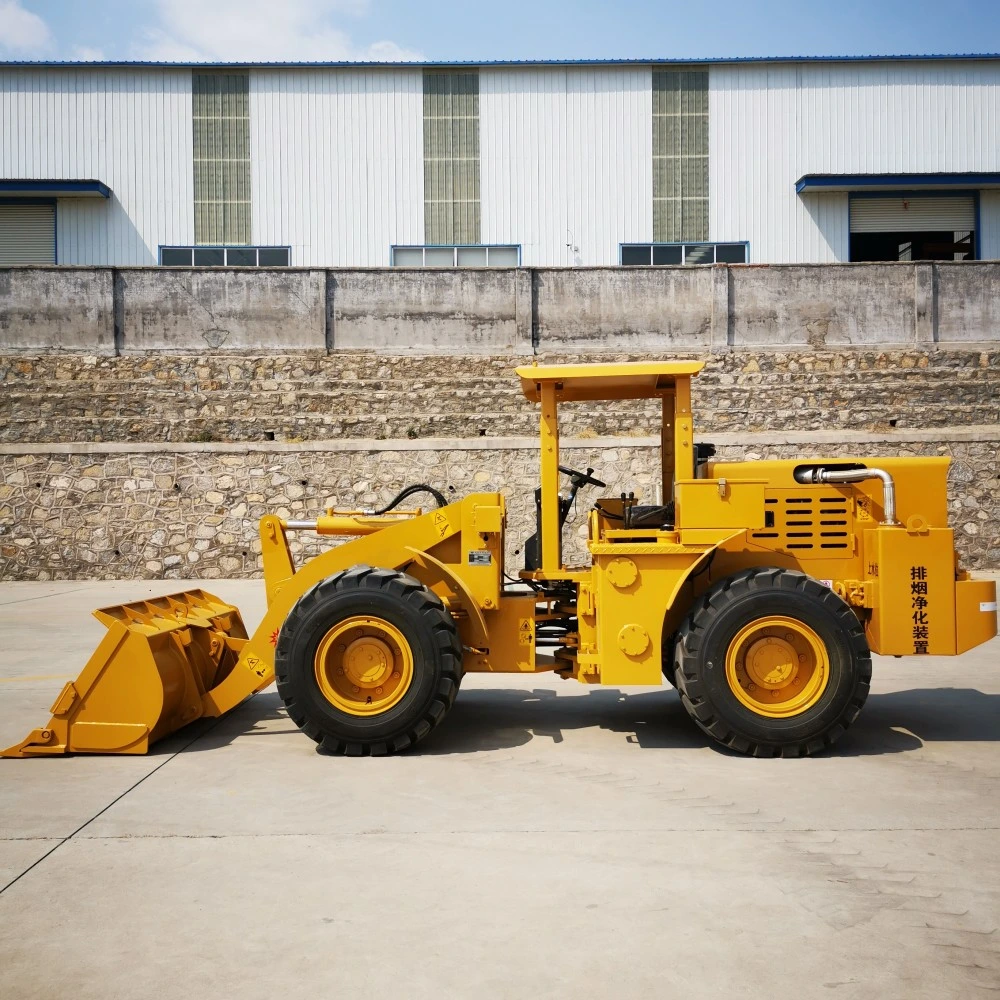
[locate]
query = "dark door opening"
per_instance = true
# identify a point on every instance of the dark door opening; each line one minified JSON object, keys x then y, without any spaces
{"x":913,"y":246}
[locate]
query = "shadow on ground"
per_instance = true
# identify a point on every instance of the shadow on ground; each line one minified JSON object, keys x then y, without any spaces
{"x":497,"y":719}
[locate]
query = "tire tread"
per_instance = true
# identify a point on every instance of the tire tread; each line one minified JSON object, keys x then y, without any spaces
{"x":441,"y":626}
{"x":710,"y":605}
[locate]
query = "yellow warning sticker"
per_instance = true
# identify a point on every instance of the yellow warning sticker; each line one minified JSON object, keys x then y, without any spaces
{"x":441,"y":523}
{"x":525,"y":632}
{"x":256,"y":665}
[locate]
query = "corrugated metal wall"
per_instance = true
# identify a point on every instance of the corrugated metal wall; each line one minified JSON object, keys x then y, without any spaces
{"x":337,"y":162}
{"x":565,"y":154}
{"x":129,"y":129}
{"x":566,"y":161}
{"x":770,"y":124}
{"x":989,"y":225}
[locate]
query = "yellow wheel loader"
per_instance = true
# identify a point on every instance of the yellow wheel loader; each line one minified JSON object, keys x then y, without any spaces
{"x":758,"y":589}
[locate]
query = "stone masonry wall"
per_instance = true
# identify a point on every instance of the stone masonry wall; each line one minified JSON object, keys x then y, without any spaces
{"x":179,"y":514}
{"x":211,"y":397}
{"x":159,"y":465}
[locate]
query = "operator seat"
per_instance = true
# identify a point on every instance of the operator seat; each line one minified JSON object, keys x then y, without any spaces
{"x":651,"y":516}
{"x":639,"y":515}
{"x":659,"y":516}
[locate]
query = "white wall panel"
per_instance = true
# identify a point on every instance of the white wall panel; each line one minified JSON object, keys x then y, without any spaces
{"x":336,"y":162}
{"x":989,"y":225}
{"x":522,"y":161}
{"x":770,"y":124}
{"x":566,"y":161}
{"x":566,"y":165}
{"x":130,"y":129}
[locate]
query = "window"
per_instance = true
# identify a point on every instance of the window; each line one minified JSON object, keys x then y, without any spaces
{"x":680,"y":155}
{"x":456,"y":256}
{"x":225,"y":256}
{"x":221,"y":110}
{"x":451,"y":157}
{"x":684,"y":253}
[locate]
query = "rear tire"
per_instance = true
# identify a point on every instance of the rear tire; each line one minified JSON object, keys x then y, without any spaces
{"x":770,"y":662}
{"x":361,"y":628}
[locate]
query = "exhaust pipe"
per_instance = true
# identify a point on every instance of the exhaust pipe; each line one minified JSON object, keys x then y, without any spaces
{"x":816,"y":475}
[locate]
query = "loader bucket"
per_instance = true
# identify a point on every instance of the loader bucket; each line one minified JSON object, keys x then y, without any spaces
{"x":147,"y":678}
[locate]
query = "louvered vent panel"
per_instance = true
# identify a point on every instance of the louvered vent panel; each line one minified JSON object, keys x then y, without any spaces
{"x":815,"y":525}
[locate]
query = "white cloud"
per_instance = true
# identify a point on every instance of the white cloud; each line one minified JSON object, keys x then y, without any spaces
{"x":260,"y":31}
{"x":21,"y":31}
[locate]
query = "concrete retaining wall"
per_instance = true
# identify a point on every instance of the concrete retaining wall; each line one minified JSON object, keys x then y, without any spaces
{"x":545,"y":310}
{"x":860,"y":306}
{"x":973,"y":303}
{"x":630,"y":309}
{"x":444,"y":310}
{"x":268,"y":310}
{"x":57,"y":309}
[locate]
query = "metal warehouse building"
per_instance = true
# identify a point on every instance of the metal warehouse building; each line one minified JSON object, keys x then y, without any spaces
{"x":784,"y":160}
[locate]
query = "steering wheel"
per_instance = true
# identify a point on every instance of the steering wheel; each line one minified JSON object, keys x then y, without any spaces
{"x":581,"y":478}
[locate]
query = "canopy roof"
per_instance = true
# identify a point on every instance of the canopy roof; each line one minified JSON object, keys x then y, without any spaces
{"x":891,"y":183}
{"x":69,"y":188}
{"x":629,"y":380}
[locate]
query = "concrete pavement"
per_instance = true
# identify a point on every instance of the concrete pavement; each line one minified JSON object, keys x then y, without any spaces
{"x":549,"y":840}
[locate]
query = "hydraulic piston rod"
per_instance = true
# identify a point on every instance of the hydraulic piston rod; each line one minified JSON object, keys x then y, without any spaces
{"x":351,"y":523}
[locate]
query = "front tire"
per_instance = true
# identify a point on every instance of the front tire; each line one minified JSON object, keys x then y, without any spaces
{"x":770,"y":662}
{"x":368,"y":662}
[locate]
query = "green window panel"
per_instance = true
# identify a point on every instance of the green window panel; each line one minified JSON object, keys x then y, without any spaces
{"x":680,"y":155}
{"x":451,"y":157}
{"x":221,"y":111}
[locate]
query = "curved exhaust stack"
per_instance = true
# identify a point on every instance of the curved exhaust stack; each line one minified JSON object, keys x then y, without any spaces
{"x":818,"y":475}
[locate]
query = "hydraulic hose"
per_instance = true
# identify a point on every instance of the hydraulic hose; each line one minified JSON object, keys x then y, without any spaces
{"x":409,"y":491}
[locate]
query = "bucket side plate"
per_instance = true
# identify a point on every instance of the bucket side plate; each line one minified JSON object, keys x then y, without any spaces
{"x":148,"y":677}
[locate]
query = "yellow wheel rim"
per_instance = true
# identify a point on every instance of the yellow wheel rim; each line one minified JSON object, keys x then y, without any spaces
{"x":777,"y":667}
{"x":364,"y":665}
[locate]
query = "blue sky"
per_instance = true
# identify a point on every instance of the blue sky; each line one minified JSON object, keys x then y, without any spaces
{"x":513,"y":29}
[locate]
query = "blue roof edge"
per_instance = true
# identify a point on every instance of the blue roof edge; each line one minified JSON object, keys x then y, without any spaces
{"x":475,"y":63}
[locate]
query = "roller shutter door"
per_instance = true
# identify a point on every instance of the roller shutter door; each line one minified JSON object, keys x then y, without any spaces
{"x":27,"y":234}
{"x":913,"y":215}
